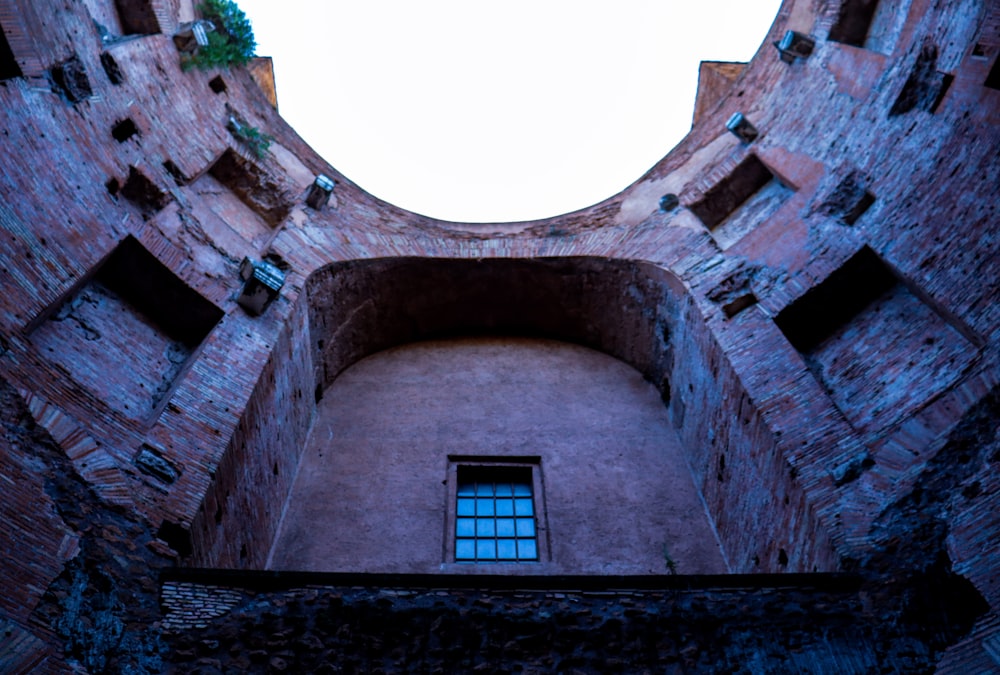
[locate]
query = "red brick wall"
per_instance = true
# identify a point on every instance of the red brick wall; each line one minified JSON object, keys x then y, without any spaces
{"x":842,"y":457}
{"x":241,"y":511}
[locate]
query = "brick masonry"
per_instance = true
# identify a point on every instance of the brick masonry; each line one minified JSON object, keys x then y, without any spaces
{"x":874,"y":450}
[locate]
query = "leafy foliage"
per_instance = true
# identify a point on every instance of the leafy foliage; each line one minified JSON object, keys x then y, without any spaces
{"x":232,"y":42}
{"x":256,"y":140}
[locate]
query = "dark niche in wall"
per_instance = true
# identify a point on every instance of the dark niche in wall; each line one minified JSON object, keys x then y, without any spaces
{"x":836,"y":300}
{"x":152,"y":288}
{"x":137,"y":17}
{"x":874,"y":25}
{"x":993,"y":79}
{"x":745,"y":197}
{"x":849,"y":200}
{"x":252,"y":185}
{"x":217,"y":84}
{"x":925,"y":87}
{"x":128,"y":331}
{"x":124,"y":130}
{"x":9,"y":67}
{"x":175,"y":172}
{"x":143,"y":192}
{"x":853,"y":21}
{"x":70,"y":78}
{"x":878,"y":348}
{"x":112,"y":69}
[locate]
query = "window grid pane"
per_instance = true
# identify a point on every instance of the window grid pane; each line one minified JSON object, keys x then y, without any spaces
{"x":466,"y":507}
{"x":486,"y":530}
{"x":506,"y":549}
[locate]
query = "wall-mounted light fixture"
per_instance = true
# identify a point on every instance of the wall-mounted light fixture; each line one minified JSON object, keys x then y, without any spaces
{"x":262,"y":284}
{"x":320,"y":191}
{"x":191,"y":35}
{"x":794,"y":45}
{"x":669,"y":202}
{"x":741,"y":127}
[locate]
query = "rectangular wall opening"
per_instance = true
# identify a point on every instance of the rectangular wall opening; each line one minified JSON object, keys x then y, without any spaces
{"x":124,"y":130}
{"x":849,"y":200}
{"x":853,"y":21}
{"x":925,"y":86}
{"x":744,"y":198}
{"x":137,"y":17}
{"x":128,"y":331}
{"x":144,"y":193}
{"x":112,"y":69}
{"x":886,"y":25}
{"x":252,"y":185}
{"x":874,"y":25}
{"x":993,"y":79}
{"x":496,"y":514}
{"x":9,"y":67}
{"x":71,"y":78}
{"x":154,"y":290}
{"x":877,"y":349}
{"x":175,"y":172}
{"x":836,"y":300}
{"x":858,"y":208}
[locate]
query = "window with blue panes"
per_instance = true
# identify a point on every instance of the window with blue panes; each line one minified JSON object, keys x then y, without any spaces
{"x":495,"y":516}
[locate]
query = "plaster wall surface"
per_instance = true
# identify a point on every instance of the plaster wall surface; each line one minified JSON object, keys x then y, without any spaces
{"x":373,"y":486}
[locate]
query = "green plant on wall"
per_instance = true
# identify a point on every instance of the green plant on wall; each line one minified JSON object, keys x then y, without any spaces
{"x":669,"y":561}
{"x":256,"y":140}
{"x":231,"y":43}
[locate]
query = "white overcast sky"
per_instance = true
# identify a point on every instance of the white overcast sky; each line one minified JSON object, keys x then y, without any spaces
{"x":497,"y":111}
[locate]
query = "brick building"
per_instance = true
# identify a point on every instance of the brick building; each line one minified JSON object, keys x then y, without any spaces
{"x":741,"y":417}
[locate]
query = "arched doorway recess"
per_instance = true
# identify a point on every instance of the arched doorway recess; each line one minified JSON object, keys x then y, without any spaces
{"x":638,"y":313}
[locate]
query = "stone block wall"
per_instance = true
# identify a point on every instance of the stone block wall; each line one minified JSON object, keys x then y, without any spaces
{"x":698,"y":624}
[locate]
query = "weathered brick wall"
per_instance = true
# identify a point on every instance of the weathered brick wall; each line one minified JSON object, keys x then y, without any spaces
{"x":241,"y":511}
{"x":618,"y":307}
{"x":883,"y":138}
{"x":761,"y":509}
{"x":699,"y":624}
{"x":79,"y":574}
{"x":36,"y":542}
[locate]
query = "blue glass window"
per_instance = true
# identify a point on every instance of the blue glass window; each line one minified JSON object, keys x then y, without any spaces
{"x":495,"y":515}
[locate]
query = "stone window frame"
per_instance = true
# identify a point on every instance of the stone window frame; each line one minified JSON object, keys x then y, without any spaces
{"x":532,"y":464}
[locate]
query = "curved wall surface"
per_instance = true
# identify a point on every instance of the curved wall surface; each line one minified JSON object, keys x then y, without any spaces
{"x":817,"y":305}
{"x":377,"y":478}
